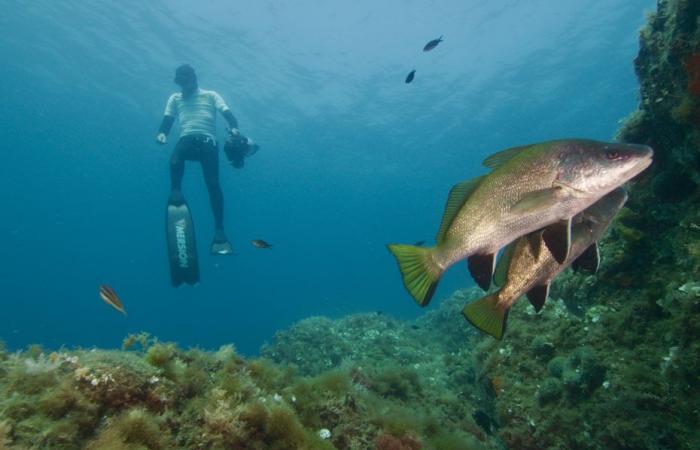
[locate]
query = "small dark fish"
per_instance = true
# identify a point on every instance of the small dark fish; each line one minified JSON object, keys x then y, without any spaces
{"x":111,"y":298}
{"x":419,"y":243}
{"x":259,"y":243}
{"x":432,"y":44}
{"x":410,"y":76}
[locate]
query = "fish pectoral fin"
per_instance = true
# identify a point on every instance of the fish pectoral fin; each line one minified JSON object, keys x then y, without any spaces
{"x":538,"y":295}
{"x":455,"y":200}
{"x":557,"y":238}
{"x":588,"y":261}
{"x":487,"y":315}
{"x":481,"y":268}
{"x":540,"y":200}
{"x":500,"y":274}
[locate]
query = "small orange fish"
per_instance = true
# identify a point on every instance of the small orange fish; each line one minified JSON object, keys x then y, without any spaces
{"x":259,"y":243}
{"x":111,"y":298}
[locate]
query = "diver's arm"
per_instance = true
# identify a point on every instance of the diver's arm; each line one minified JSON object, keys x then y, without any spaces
{"x":231,"y":120}
{"x":165,"y":126}
{"x":225,"y":111}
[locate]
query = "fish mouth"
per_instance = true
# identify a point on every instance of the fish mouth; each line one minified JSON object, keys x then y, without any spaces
{"x":643,"y":162}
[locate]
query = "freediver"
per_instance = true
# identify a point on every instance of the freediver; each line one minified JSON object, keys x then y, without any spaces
{"x":195,"y":110}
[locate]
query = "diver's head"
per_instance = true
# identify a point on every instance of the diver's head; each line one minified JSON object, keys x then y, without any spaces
{"x":186,"y":78}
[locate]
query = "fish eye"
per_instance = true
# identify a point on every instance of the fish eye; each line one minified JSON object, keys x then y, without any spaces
{"x":612,"y":155}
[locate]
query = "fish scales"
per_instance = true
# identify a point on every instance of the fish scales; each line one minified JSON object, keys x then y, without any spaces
{"x":486,"y":222}
{"x":531,"y":265}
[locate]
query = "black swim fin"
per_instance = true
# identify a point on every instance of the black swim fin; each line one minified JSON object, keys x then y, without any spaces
{"x":182,"y":248}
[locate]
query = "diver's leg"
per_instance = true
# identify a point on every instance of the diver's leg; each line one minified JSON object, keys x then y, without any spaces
{"x":177,"y":171}
{"x":210,"y":168}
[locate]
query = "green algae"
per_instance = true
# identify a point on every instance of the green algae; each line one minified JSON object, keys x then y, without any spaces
{"x":160,"y":396}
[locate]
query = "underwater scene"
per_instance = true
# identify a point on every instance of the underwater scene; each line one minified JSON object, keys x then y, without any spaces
{"x":396,"y":225}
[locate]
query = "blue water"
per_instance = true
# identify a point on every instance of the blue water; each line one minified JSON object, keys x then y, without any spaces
{"x":352,"y":158}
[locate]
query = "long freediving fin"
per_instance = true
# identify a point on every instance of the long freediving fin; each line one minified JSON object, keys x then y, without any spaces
{"x":182,"y":247}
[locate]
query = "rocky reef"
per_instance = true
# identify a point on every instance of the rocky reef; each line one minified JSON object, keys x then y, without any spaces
{"x":374,"y":383}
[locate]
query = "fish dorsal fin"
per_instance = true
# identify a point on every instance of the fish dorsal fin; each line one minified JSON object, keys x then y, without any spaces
{"x":498,"y":159}
{"x":500,"y":275}
{"x":457,"y":197}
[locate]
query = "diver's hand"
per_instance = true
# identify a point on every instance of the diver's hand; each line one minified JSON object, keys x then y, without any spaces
{"x":162,"y":139}
{"x":234,"y":132}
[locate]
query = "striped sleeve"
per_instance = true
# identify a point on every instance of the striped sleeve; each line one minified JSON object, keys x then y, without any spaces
{"x":219,"y":102}
{"x":171,"y":106}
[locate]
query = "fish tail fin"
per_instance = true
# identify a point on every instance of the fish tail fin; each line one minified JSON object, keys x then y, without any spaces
{"x":419,"y":271}
{"x":487,"y":315}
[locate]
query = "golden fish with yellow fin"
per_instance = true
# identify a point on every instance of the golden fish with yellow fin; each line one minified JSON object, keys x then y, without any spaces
{"x":527,"y":267}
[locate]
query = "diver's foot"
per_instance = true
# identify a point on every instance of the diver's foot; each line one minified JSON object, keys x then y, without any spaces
{"x":176,"y":198}
{"x":221,"y":245}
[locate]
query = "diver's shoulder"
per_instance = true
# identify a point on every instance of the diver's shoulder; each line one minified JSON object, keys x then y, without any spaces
{"x":209,"y":92}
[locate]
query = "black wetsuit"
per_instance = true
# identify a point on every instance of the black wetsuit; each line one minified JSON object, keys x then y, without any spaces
{"x":202,"y":148}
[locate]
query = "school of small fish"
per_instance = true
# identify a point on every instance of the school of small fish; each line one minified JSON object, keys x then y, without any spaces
{"x":426,"y":48}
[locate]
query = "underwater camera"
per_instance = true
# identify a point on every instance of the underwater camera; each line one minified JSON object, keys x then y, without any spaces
{"x":237,"y":148}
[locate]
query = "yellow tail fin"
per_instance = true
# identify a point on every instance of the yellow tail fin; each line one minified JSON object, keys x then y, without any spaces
{"x":419,"y":272}
{"x":487,"y":315}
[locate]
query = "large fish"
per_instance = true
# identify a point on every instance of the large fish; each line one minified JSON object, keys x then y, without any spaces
{"x":527,"y":267}
{"x":532,"y":187}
